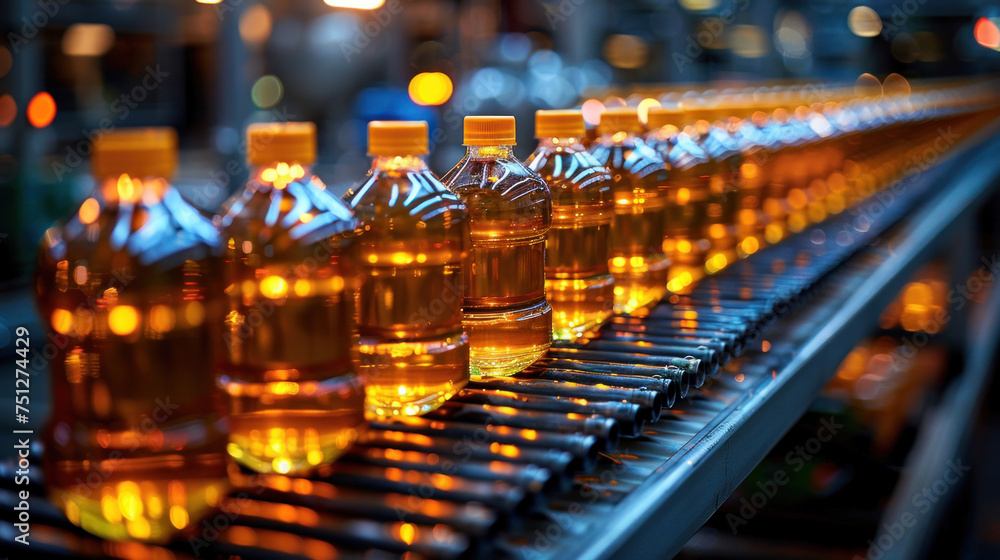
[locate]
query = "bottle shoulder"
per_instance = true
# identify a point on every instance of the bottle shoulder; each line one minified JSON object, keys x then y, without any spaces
{"x":573,"y":176}
{"x":410,"y":204}
{"x":161,"y":233}
{"x":302,"y":213}
{"x":636,"y":160}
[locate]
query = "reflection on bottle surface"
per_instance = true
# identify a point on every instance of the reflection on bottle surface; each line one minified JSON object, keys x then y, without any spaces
{"x":506,"y":315}
{"x":289,"y":271}
{"x":578,"y":284}
{"x":638,"y":175}
{"x":414,"y":353}
{"x":135,"y":448}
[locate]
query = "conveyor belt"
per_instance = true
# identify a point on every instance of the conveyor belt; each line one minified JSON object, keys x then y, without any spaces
{"x":527,"y":467}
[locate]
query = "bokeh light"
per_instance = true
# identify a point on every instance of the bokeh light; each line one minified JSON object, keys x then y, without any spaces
{"x":255,"y":25}
{"x":6,"y":61}
{"x":748,"y":41}
{"x":41,"y":110}
{"x":987,"y":33}
{"x":267,"y":91}
{"x":644,"y":106}
{"x":626,"y":51}
{"x":430,"y":88}
{"x":355,"y":4}
{"x":88,"y":39}
{"x":592,"y":110}
{"x":8,"y":110}
{"x":864,"y":22}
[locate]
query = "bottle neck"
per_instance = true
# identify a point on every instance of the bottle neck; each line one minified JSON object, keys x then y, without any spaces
{"x":550,"y":143}
{"x":490,"y":152}
{"x":125,"y":188}
{"x":280,"y":174}
{"x":399,"y":163}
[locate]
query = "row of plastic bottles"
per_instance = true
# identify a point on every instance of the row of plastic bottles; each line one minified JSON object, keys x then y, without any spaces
{"x":302,"y":312}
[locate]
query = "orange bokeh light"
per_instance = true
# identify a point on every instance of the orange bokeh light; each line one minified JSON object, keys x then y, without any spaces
{"x":41,"y":110}
{"x":987,"y":33}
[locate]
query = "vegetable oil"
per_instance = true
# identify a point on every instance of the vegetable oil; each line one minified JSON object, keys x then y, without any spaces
{"x":289,"y":271}
{"x":414,"y":353}
{"x":506,"y":315}
{"x":578,"y":283}
{"x":639,"y":186}
{"x":686,"y":241}
{"x":136,"y":445}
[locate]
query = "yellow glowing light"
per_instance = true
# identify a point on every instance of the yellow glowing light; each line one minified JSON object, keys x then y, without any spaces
{"x":255,"y":25}
{"x":683,"y":195}
{"x":282,"y":465}
{"x":208,"y":1}
{"x":644,"y":106}
{"x":62,"y":321}
{"x":123,"y":320}
{"x":89,"y":211}
{"x":684,"y":246}
{"x":716,"y":263}
{"x":179,"y":517}
{"x":750,"y":245}
{"x":138,"y":528}
{"x":864,"y":22}
{"x":267,"y":91}
{"x":194,"y":313}
{"x":301,"y":287}
{"x":355,"y":4}
{"x":716,"y":231}
{"x":128,"y":189}
{"x":269,"y":175}
{"x":87,"y":39}
{"x":274,"y":287}
{"x":162,"y":318}
{"x":406,"y":533}
{"x":430,"y":88}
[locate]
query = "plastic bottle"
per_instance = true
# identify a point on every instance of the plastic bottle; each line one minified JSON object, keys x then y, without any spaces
{"x":414,"y":353}
{"x":686,"y":229}
{"x":290,"y":271}
{"x":135,"y":449}
{"x":506,"y":315}
{"x":578,"y":284}
{"x":639,"y":184}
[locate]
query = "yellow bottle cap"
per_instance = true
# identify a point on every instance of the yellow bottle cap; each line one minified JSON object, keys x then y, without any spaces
{"x":397,"y":138}
{"x":559,"y":124}
{"x":659,"y":117}
{"x":619,"y":119}
{"x":489,"y":131}
{"x":268,"y":143}
{"x":137,"y":152}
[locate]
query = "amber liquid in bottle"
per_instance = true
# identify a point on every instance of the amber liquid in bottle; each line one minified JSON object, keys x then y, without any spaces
{"x":637,"y":261}
{"x":578,"y":283}
{"x":506,"y":315}
{"x":414,"y":353}
{"x":687,"y":211}
{"x":289,"y":270}
{"x":135,"y":449}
